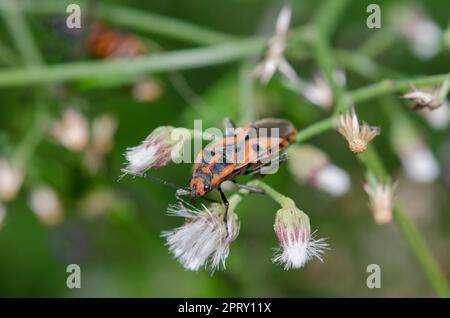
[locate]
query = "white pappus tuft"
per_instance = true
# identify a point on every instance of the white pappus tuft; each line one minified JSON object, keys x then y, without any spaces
{"x":205,"y":238}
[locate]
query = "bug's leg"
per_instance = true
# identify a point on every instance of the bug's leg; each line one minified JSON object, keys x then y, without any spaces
{"x":227,"y":204}
{"x":229,"y":126}
{"x":249,"y":188}
{"x":283,"y":157}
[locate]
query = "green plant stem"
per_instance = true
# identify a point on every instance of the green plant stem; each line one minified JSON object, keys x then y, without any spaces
{"x":315,"y":129}
{"x":328,"y":15}
{"x":422,"y":252}
{"x":7,"y":56}
{"x":389,"y":86}
{"x":246,"y":85}
{"x":32,"y":138}
{"x":154,"y":63}
{"x":20,"y":32}
{"x":327,"y":18}
{"x":378,"y":43}
{"x":134,"y":19}
{"x":275,"y":195}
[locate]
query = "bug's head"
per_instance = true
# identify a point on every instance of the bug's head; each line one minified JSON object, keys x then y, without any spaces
{"x":199,"y":186}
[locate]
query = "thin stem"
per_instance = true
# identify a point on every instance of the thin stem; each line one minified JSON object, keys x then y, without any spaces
{"x":154,"y":63}
{"x":328,"y":15}
{"x":378,"y":43}
{"x":275,"y":195}
{"x":422,"y":252}
{"x":315,"y":129}
{"x":326,"y":20}
{"x":20,"y":32}
{"x":389,"y":86}
{"x":135,"y":19}
{"x":246,"y":86}
{"x":33,"y":137}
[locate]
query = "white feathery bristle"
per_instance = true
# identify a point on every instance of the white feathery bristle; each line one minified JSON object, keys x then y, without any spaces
{"x":420,"y":164}
{"x":140,"y":158}
{"x":332,"y":180}
{"x":204,"y":239}
{"x":297,"y":253}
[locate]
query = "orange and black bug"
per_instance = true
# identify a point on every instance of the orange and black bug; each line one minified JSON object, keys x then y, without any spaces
{"x":104,"y":41}
{"x":243,"y":150}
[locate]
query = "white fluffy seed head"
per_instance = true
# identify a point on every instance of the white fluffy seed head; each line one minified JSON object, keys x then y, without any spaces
{"x":297,"y":245}
{"x":153,"y":152}
{"x":205,"y":238}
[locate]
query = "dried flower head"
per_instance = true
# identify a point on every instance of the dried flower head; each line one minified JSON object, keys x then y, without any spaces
{"x":357,"y":136}
{"x":11,"y":178}
{"x":205,"y":237}
{"x":381,"y":200}
{"x":297,"y":246}
{"x":71,"y":130}
{"x":45,"y":204}
{"x":423,"y":98}
{"x":153,"y":152}
{"x":311,"y":165}
{"x":274,"y":59}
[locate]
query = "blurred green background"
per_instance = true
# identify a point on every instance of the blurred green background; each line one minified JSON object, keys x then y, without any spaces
{"x":117,"y":242}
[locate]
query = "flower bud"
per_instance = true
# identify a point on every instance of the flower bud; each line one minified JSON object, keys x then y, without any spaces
{"x":103,"y":129}
{"x":45,"y":204}
{"x":11,"y":178}
{"x":147,"y":90}
{"x":311,"y":165}
{"x":381,"y":200}
{"x":297,"y":246}
{"x":71,"y":130}
{"x":153,"y":152}
{"x":205,"y":237}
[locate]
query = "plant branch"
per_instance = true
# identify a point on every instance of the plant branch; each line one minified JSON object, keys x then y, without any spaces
{"x":389,"y":86}
{"x":154,"y":63}
{"x":20,"y":32}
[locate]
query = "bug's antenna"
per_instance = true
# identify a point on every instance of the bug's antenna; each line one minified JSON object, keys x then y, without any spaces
{"x":169,"y":184}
